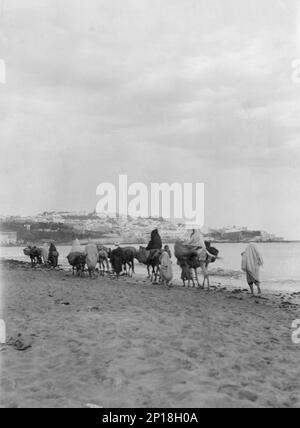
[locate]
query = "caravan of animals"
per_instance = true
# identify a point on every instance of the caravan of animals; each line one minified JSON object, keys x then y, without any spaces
{"x":191,"y":255}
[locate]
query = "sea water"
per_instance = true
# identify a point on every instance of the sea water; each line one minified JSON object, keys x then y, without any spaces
{"x":281,"y":261}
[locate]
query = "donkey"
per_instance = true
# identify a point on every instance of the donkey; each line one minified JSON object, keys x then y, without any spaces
{"x":104,"y":254}
{"x":77,"y":261}
{"x":35,"y":255}
{"x":150,"y":258}
{"x":129,"y":254}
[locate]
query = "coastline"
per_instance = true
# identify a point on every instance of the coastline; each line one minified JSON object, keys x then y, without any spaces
{"x":128,"y":343}
{"x":133,"y":242}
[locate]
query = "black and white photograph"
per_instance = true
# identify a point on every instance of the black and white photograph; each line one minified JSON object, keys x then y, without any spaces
{"x":149,"y":206}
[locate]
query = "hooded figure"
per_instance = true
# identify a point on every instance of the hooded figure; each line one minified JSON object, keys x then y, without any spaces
{"x":166,"y":271}
{"x":196,"y":240}
{"x":251,"y":264}
{"x":155,"y":242}
{"x":77,"y":247}
{"x":92,"y":256}
{"x":53,"y":256}
{"x":197,"y":243}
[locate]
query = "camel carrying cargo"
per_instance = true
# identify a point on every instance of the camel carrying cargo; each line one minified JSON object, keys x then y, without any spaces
{"x":190,"y":259}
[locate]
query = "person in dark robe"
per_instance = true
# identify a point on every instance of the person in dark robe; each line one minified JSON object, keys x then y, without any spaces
{"x":53,"y":256}
{"x":155,"y":242}
{"x":116,"y":260}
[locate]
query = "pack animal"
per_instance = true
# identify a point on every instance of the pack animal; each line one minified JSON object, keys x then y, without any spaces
{"x":150,"y":258}
{"x":78,"y":262}
{"x":35,"y":255}
{"x":104,"y":254}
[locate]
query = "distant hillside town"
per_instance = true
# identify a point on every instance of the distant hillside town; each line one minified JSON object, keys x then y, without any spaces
{"x":63,"y":227}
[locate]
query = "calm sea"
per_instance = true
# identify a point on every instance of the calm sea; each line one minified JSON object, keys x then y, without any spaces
{"x":282,"y":261}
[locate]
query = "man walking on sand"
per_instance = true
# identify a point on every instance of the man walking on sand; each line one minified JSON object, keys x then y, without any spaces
{"x":251,"y":264}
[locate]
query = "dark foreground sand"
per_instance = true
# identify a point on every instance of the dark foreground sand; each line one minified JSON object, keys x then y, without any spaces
{"x":127,"y":343}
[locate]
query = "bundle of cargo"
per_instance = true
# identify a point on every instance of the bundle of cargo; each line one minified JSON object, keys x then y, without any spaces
{"x":27,"y":251}
{"x":35,"y":255}
{"x":186,"y":252}
{"x":32,"y":252}
{"x":75,"y":257}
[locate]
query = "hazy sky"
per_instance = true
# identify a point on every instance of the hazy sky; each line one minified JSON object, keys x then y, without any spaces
{"x":172,"y":90}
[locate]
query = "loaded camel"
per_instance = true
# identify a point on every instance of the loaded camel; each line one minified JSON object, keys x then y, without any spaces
{"x":190,"y":261}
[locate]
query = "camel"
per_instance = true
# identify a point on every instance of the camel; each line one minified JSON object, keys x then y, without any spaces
{"x":190,"y":266}
{"x":190,"y":259}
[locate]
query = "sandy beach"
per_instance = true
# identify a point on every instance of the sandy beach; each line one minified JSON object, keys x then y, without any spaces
{"x":73,"y":342}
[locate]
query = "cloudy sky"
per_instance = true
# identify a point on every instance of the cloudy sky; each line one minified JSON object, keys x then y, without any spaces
{"x":164,"y":91}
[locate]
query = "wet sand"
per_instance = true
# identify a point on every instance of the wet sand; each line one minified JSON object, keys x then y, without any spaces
{"x":127,"y":343}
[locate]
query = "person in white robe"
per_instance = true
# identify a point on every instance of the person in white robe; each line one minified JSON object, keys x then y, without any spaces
{"x":166,"y":270}
{"x":252,"y":262}
{"x":196,"y":241}
{"x":77,"y":247}
{"x":45,"y":253}
{"x":92,"y":256}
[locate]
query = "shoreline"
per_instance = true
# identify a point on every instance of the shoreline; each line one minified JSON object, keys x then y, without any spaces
{"x":128,"y":343}
{"x":103,"y":242}
{"x":233,"y":281}
{"x":233,"y":278}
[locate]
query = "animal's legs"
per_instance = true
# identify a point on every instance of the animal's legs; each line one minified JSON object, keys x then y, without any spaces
{"x":153,"y":273}
{"x":197,"y":278}
{"x":206,"y":276}
{"x":130,"y":269}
